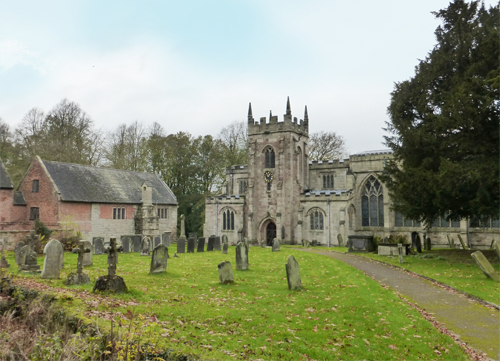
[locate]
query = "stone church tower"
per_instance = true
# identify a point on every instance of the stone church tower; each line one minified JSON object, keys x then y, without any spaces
{"x":277,"y":175}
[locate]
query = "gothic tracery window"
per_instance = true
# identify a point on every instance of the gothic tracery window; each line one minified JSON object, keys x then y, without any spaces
{"x":228,"y":220}
{"x":372,"y":204}
{"x":269,"y":157}
{"x":316,"y":219}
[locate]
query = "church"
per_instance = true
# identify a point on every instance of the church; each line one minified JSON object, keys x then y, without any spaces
{"x":281,"y":194}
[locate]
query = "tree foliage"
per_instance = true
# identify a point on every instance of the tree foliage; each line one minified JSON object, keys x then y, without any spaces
{"x":326,"y":146}
{"x":444,"y":121}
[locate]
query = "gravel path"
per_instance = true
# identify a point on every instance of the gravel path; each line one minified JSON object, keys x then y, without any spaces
{"x":475,"y":324}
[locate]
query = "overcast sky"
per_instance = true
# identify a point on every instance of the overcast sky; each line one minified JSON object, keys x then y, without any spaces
{"x":194,"y":66}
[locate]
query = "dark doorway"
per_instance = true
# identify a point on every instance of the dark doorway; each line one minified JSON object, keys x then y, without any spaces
{"x":270,"y":233}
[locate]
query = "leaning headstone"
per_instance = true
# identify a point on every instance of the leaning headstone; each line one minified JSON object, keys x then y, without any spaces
{"x":137,"y":243}
{"x":159,"y":260}
{"x":241,"y":256}
{"x":461,"y":241}
{"x":450,"y":241}
{"x":217,"y":245}
{"x":98,"y":245}
{"x":126,"y":244}
{"x":276,"y":245}
{"x":485,"y":266}
{"x":79,"y":277}
{"x":145,"y":246}
{"x":428,"y":244}
{"x":496,"y":247}
{"x":210,"y":245}
{"x":225,"y":247}
{"x":340,"y":240}
{"x":165,"y":238}
{"x":293,"y":274}
{"x":225,"y":272}
{"x":191,"y":245}
{"x":224,"y":239}
{"x":181,"y":244}
{"x":111,"y":282}
{"x":157,"y":241}
{"x":87,"y":257}
{"x":400,"y":252}
{"x":416,"y":243}
{"x":305,"y":243}
{"x":3,"y":260}
{"x":201,"y":244}
{"x":19,"y":245}
{"x":52,"y":263}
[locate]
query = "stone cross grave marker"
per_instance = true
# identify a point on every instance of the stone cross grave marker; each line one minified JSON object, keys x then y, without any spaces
{"x":225,"y":272}
{"x":111,"y":282}
{"x":145,"y":246}
{"x":191,"y":244}
{"x":98,"y":245}
{"x":461,"y":241}
{"x":112,"y":252}
{"x":79,"y":278}
{"x":225,"y":247}
{"x":165,"y":238}
{"x":3,"y":260}
{"x":293,"y":274}
{"x":201,"y":244}
{"x":87,"y":257}
{"x":485,"y":266}
{"x":181,"y":244}
{"x":241,"y":256}
{"x":126,"y":244}
{"x":159,"y":260}
{"x":136,"y":243}
{"x":157,"y":240}
{"x":276,"y":245}
{"x":210,"y":245}
{"x":52,"y":264}
{"x":217,"y":245}
{"x":19,"y":245}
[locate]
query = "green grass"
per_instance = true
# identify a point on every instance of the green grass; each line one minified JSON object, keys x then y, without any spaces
{"x":454,"y":267}
{"x":339,"y":314}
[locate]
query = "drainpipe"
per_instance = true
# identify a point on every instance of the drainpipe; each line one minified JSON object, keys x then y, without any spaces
{"x":329,"y":224}
{"x":216,"y":218}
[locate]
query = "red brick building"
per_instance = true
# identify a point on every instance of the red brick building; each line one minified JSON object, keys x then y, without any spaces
{"x":98,"y":202}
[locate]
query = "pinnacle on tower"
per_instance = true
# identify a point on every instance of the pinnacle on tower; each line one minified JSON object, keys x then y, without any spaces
{"x":270,"y":115}
{"x":306,"y":117}
{"x":250,"y":110}
{"x":288,"y":111}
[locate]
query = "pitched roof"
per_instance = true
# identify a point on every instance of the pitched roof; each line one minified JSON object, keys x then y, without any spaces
{"x":5,"y":181}
{"x":80,"y":183}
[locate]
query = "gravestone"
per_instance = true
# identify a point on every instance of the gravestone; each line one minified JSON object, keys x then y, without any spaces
{"x":450,"y":241}
{"x":461,"y":241}
{"x":183,"y":226}
{"x":276,"y":245}
{"x":52,"y":264}
{"x":225,"y":247}
{"x":19,"y":245}
{"x":159,"y":260}
{"x":293,"y":274}
{"x":241,"y":256}
{"x":181,"y":244}
{"x":283,"y":232}
{"x":165,"y":238}
{"x":28,"y":255}
{"x":137,"y":243}
{"x":210,"y":245}
{"x":340,"y":240}
{"x":225,"y":272}
{"x":217,"y":245}
{"x":360,"y":243}
{"x":224,"y":239}
{"x":87,"y":257}
{"x":79,"y":277}
{"x":415,"y":242}
{"x":191,"y":245}
{"x":485,"y":266}
{"x":126,"y":244}
{"x":145,"y":246}
{"x":98,"y":245}
{"x":305,"y":243}
{"x":3,"y":260}
{"x":496,"y":247}
{"x":428,"y":244}
{"x":400,"y":252}
{"x":157,"y":241}
{"x":201,"y":244}
{"x":106,"y":245}
{"x":111,"y":282}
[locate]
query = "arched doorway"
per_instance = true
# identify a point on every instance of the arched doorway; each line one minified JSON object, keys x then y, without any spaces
{"x":270,"y":233}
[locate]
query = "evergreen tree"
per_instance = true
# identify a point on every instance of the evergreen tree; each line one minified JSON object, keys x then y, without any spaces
{"x":444,"y":122}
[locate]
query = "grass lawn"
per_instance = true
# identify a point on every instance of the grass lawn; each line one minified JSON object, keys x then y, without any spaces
{"x":454,"y":267}
{"x":339,"y":314}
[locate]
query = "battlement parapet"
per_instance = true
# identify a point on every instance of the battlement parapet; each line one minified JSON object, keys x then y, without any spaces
{"x":324,"y":194}
{"x":335,"y":163}
{"x":226,"y":199}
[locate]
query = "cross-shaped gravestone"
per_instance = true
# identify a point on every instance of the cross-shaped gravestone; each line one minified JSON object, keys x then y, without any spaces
{"x":112,"y":252}
{"x":81,"y":250}
{"x":79,"y":277}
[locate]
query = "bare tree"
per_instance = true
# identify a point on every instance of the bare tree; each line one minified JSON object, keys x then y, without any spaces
{"x":127,"y":147}
{"x":326,"y":146}
{"x":235,"y":140}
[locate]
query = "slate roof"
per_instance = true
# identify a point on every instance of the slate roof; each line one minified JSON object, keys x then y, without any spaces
{"x":80,"y":183}
{"x":5,"y":181}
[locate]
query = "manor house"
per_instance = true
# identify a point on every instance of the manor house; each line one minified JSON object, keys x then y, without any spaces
{"x":280,"y":193}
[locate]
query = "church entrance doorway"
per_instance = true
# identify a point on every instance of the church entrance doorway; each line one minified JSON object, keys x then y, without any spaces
{"x":270,"y":233}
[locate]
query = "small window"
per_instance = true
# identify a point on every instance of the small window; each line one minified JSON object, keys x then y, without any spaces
{"x":35,"y":186}
{"x":269,"y":154}
{"x":327,"y":181}
{"x":162,"y":213}
{"x":118,"y":213}
{"x":228,"y":220}
{"x":34,"y":213}
{"x":243,"y":186}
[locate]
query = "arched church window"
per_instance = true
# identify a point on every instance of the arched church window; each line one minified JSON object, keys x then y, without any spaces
{"x":316,"y":219}
{"x":228,"y":220}
{"x":269,"y":157}
{"x":372,"y":204}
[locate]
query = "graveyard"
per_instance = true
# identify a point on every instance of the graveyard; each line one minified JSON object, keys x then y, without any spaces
{"x":183,"y":305}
